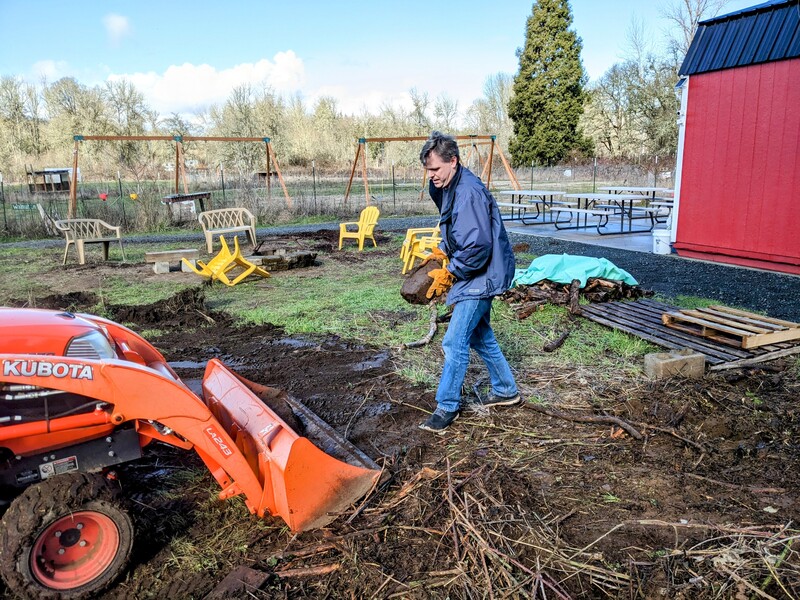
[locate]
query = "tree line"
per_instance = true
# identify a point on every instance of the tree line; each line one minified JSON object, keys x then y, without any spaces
{"x":546,"y":113}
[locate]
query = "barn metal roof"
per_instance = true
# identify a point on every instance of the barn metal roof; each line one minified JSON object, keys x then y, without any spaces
{"x":762,"y":33}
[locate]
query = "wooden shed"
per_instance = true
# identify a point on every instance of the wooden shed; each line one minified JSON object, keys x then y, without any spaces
{"x":737,"y":186}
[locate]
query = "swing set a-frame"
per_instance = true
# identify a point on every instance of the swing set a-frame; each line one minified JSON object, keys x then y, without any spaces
{"x":474,"y":142}
{"x":180,"y":167}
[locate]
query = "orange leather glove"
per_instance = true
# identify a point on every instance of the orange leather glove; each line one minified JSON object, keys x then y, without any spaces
{"x":443,"y":280}
{"x":436,"y":254}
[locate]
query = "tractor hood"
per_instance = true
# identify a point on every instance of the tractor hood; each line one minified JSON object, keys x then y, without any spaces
{"x":50,"y":332}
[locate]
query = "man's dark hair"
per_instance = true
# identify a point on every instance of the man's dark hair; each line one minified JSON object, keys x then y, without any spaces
{"x":444,"y":146}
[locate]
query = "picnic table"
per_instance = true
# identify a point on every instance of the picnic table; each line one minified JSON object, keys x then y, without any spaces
{"x":199,"y":197}
{"x":604,"y":207}
{"x":182,"y":206}
{"x":649,"y":192}
{"x":654,"y":197}
{"x":523,"y":200}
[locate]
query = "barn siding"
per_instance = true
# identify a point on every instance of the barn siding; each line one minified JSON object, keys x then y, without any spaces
{"x":740,"y":187}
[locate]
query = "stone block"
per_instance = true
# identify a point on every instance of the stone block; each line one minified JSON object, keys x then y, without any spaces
{"x":679,"y":363}
{"x":274,"y":263}
{"x":163,"y":259}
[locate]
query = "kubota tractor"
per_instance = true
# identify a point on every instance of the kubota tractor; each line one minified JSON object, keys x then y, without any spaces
{"x":80,"y":394}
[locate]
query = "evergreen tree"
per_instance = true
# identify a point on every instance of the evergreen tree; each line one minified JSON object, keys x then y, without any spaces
{"x":548,"y":88}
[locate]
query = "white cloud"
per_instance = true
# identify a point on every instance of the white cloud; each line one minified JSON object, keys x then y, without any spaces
{"x":190,"y":88}
{"x":51,"y":70}
{"x":356,"y":97}
{"x":117,"y":28}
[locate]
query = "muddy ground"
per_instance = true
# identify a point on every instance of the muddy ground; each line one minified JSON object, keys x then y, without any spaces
{"x":511,"y":503}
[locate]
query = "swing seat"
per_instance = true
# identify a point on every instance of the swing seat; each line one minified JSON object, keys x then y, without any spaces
{"x":364,"y":228}
{"x":224,"y":262}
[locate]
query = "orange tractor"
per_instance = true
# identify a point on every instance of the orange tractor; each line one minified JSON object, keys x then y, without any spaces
{"x":80,"y":394}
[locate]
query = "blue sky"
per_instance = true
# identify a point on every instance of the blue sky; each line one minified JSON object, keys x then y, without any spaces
{"x":185,"y":56}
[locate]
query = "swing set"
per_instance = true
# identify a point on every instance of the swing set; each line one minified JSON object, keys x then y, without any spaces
{"x":474,"y":142}
{"x":180,"y":167}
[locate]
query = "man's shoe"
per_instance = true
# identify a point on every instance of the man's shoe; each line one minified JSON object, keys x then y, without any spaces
{"x":439,"y":421}
{"x":492,"y":400}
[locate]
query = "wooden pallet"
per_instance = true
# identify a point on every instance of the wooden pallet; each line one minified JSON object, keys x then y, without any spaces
{"x":642,"y":318}
{"x":733,"y":327}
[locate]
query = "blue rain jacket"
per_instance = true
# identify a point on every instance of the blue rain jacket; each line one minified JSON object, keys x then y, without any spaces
{"x":474,"y":238}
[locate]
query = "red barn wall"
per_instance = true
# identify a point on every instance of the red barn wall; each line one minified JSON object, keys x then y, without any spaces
{"x":740,"y":174}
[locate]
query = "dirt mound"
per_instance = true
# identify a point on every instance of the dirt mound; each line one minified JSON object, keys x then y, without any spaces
{"x":73,"y":302}
{"x":184,"y":309}
{"x":322,"y":240}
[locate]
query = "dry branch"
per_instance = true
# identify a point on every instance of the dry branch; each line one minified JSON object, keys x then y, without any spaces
{"x":552,"y":412}
{"x":555,"y":344}
{"x":431,"y":331}
{"x":309,"y":571}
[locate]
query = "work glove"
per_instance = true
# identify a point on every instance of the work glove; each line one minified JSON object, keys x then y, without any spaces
{"x":443,"y":280}
{"x":436,"y":254}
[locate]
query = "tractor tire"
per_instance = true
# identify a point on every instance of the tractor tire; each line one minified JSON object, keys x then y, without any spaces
{"x":68,"y":537}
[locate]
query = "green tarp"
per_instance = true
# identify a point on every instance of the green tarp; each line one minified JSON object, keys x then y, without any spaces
{"x":563,"y":268}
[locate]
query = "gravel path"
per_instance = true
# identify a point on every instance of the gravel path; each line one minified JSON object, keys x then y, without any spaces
{"x":775,"y":294}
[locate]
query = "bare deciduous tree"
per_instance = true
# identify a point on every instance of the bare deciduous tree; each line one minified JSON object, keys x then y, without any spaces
{"x":490,"y":113}
{"x":684,"y":15}
{"x":419,"y":113}
{"x":445,"y":113}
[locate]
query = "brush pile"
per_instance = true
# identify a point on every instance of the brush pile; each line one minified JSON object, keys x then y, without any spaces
{"x":524,"y":300}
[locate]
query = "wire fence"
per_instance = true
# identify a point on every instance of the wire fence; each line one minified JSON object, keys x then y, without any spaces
{"x":311,"y":194}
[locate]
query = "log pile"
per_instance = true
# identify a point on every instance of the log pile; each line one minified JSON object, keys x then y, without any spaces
{"x":524,"y":300}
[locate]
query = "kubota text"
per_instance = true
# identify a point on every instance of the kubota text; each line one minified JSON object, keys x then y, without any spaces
{"x":40,"y":368}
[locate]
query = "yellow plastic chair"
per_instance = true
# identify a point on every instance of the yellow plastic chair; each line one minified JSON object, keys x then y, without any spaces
{"x":224,"y":262}
{"x":412,"y":235}
{"x":364,"y":227}
{"x":420,"y":248}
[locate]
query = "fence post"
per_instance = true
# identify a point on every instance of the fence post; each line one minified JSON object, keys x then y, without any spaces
{"x":394,"y":191}
{"x":314,"y":183}
{"x":3,"y":200}
{"x":655,"y":173}
{"x":594,"y":175}
{"x":121,"y":201}
{"x":222,"y":177}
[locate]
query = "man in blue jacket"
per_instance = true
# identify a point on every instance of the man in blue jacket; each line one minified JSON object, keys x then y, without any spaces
{"x":479,"y":265}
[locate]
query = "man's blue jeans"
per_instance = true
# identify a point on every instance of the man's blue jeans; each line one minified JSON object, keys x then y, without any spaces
{"x":469,"y":328}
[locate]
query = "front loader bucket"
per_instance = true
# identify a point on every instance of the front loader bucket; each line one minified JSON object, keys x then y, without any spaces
{"x":300,"y":483}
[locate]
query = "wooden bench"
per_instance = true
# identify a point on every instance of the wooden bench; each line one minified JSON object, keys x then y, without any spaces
{"x":161,"y":260}
{"x":227,"y":220}
{"x":88,"y":231}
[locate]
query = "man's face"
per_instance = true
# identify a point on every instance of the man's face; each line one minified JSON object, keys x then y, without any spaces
{"x":439,"y":171}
